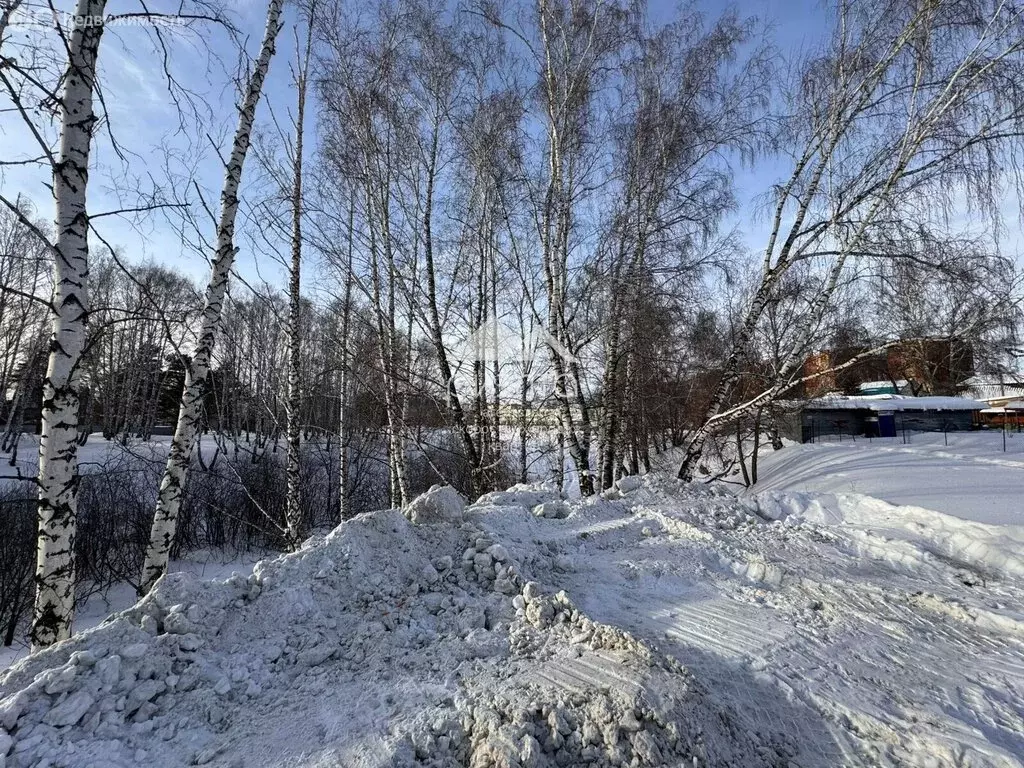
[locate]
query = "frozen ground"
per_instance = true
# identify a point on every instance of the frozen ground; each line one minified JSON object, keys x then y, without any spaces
{"x":674,"y":625}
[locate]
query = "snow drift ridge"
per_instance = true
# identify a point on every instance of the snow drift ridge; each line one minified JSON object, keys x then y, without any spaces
{"x":383,"y":643}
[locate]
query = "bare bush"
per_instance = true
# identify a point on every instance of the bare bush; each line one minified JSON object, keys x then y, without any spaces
{"x":17,"y":559}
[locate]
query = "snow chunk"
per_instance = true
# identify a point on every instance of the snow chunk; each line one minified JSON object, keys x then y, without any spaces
{"x":71,"y":710}
{"x":552,"y":510}
{"x":5,"y":746}
{"x":441,"y":504}
{"x":628,"y":484}
{"x":10,"y":710}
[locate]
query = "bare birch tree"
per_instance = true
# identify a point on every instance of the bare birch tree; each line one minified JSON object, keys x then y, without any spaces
{"x":293,"y":513}
{"x":69,"y":306}
{"x":187,"y":430}
{"x":579,"y":41}
{"x":908,"y":105}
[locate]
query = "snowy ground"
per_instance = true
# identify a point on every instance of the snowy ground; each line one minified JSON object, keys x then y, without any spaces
{"x":814,"y":628}
{"x":203,"y":564}
{"x":971,"y":477}
{"x":868,"y":644}
{"x":98,"y":453}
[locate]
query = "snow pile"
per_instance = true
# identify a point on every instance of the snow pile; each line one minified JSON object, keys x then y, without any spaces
{"x":662,"y":624}
{"x":441,"y":504}
{"x":529,"y":496}
{"x":902,"y":533}
{"x":384,"y":643}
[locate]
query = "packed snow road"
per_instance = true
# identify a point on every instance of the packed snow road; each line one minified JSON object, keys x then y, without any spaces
{"x":866,"y":633}
{"x":673,"y":625}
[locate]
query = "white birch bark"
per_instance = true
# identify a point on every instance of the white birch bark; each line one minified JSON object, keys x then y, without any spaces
{"x":58,"y":445}
{"x":293,"y":403}
{"x":185,"y":435}
{"x":383,"y":301}
{"x":555,"y":224}
{"x":343,"y":416}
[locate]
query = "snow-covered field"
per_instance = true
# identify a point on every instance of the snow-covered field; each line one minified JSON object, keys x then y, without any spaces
{"x":971,"y":477}
{"x":806,"y":625}
{"x":100,"y":454}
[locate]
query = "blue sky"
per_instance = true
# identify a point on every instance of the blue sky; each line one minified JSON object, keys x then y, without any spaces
{"x":144,"y":122}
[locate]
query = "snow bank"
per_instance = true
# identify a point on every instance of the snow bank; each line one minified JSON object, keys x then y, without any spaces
{"x":902,"y":533}
{"x":906,"y":503}
{"x":966,"y":474}
{"x":384,"y":643}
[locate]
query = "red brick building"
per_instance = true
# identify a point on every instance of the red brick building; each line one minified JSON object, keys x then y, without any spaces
{"x":930,"y":366}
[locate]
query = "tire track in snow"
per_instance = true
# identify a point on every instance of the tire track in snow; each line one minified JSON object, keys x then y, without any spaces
{"x":901,"y":659}
{"x":909,"y":667}
{"x":580,"y":675}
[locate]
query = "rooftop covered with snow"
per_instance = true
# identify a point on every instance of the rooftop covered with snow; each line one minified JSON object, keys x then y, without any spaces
{"x":894,"y":403}
{"x":1013,"y":405}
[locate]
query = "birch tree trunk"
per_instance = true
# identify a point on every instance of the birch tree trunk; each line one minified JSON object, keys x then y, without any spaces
{"x":458,"y":414}
{"x":496,"y":363}
{"x":172,"y":485}
{"x":611,"y":416}
{"x":344,"y":429}
{"x":58,"y":444}
{"x":383,"y":300}
{"x":293,"y":404}
{"x":571,"y":57}
{"x":741,"y":455}
{"x":757,"y":446}
{"x":524,"y":415}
